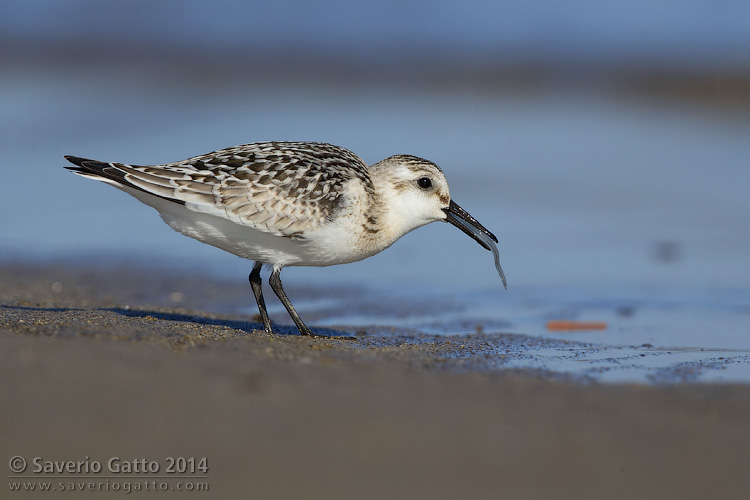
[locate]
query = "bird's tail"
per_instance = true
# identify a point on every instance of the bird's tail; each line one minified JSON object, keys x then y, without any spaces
{"x":98,"y":170}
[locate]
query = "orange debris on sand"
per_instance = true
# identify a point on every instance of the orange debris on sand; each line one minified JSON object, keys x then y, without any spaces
{"x":562,"y":324}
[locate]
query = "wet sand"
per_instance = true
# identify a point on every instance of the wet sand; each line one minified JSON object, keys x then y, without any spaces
{"x":97,"y":364}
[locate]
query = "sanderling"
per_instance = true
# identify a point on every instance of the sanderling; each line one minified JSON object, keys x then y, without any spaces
{"x":292,"y":204}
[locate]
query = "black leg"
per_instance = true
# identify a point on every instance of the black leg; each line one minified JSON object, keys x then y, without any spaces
{"x":257,"y":285}
{"x":275,"y":282}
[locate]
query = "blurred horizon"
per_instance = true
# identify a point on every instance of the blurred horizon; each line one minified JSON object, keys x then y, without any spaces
{"x":694,"y":49}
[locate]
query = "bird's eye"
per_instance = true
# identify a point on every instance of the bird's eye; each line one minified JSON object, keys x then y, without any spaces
{"x":424,"y":183}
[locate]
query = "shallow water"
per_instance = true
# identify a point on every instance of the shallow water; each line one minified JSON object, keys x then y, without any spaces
{"x":658,"y":337}
{"x":628,"y":212}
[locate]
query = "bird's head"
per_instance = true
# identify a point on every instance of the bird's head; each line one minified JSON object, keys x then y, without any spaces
{"x":416,"y":191}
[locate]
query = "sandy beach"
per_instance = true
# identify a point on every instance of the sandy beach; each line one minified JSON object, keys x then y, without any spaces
{"x":95,"y":370}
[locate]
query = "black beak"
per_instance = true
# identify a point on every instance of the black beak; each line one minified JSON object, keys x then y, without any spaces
{"x":469,"y":225}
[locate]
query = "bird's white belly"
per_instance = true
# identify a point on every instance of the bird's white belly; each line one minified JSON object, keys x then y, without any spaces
{"x":329,"y":245}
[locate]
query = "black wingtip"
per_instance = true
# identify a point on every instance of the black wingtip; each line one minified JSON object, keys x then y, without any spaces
{"x":76,"y":160}
{"x":107,"y":171}
{"x":82,"y":165}
{"x":94,"y":167}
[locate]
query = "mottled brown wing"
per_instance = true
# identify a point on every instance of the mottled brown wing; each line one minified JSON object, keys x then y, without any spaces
{"x":281,"y":188}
